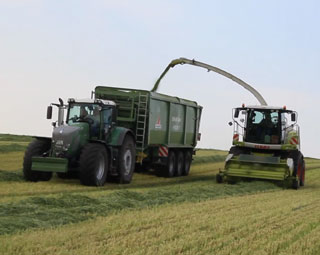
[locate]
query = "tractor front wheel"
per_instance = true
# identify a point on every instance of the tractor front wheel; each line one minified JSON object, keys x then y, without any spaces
{"x":93,"y":165}
{"x":35,"y":148}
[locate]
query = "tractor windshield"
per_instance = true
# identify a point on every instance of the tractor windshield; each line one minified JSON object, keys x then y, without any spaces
{"x":83,"y":112}
{"x":263,"y":126}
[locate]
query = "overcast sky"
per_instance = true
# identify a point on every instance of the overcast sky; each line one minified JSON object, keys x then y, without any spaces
{"x":52,"y":49}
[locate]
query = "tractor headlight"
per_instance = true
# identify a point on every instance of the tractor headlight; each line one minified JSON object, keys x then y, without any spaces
{"x":66,"y":147}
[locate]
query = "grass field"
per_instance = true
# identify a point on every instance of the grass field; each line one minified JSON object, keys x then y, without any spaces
{"x":154,"y":215}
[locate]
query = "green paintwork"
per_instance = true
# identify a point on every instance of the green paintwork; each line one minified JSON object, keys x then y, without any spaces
{"x":49,"y":164}
{"x":83,"y":137}
{"x":160,"y":119}
{"x":254,"y":166}
{"x":116,"y":136}
{"x":170,"y":121}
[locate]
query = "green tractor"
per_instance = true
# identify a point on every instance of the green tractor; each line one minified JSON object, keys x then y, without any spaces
{"x":88,"y":143}
{"x":266,"y":145}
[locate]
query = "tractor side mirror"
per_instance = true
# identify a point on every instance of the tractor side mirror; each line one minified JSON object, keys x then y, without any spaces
{"x":49,"y":112}
{"x":236,"y":113}
{"x":293,"y":116}
{"x":230,"y":123}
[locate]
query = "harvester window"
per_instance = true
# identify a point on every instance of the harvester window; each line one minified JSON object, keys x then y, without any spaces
{"x":262,"y":127}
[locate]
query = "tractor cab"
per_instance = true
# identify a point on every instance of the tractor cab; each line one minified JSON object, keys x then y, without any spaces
{"x":97,"y":114}
{"x":265,"y":127}
{"x":94,"y":115}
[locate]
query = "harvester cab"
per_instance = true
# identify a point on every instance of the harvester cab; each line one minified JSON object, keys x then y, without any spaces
{"x":266,"y":145}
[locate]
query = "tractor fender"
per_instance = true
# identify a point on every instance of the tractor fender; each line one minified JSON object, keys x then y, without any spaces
{"x":43,"y":138}
{"x":118,"y":134}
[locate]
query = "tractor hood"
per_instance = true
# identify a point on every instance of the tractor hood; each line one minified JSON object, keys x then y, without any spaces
{"x":67,"y":140}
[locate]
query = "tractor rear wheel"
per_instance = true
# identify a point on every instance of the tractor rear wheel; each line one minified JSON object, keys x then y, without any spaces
{"x":187,"y":163}
{"x":127,"y":159}
{"x":94,"y":165}
{"x":179,"y":163}
{"x":35,"y":148}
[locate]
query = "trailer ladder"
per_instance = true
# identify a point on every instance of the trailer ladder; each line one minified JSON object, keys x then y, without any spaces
{"x":141,"y":121}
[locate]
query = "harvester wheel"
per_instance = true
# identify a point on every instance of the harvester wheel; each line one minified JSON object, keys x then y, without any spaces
{"x":187,"y":163}
{"x":298,"y":169}
{"x":93,"y":165}
{"x":35,"y":148}
{"x":219,"y":178}
{"x":127,"y":159}
{"x":169,"y":170}
{"x":179,"y":163}
{"x":303,"y":170}
{"x":295,"y":184}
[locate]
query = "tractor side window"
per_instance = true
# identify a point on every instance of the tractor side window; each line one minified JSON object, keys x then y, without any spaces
{"x":74,"y":113}
{"x":107,"y":116}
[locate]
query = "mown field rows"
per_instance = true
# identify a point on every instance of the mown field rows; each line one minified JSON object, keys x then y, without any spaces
{"x":187,"y":215}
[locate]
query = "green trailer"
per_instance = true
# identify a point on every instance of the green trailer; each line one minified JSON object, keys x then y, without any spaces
{"x":166,"y":128}
{"x":110,"y":135}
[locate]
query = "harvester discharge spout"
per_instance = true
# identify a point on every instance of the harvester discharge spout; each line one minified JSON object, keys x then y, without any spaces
{"x":193,"y":62}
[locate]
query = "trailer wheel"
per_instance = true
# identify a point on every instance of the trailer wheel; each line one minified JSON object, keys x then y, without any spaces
{"x":127,"y":159}
{"x":35,"y":148}
{"x":187,"y":163}
{"x":169,"y":170}
{"x":93,"y":165}
{"x":179,"y":163}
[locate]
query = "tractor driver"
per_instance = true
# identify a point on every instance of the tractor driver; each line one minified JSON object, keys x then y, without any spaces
{"x":94,"y":121}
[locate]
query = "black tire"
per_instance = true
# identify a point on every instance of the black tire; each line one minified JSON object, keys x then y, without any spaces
{"x":94,"y":165}
{"x":298,"y":170}
{"x":35,"y":148}
{"x":179,"y":163}
{"x":170,"y":167}
{"x":303,"y":171}
{"x":127,"y":160}
{"x":295,"y":184}
{"x":219,"y":178}
{"x":187,"y":163}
